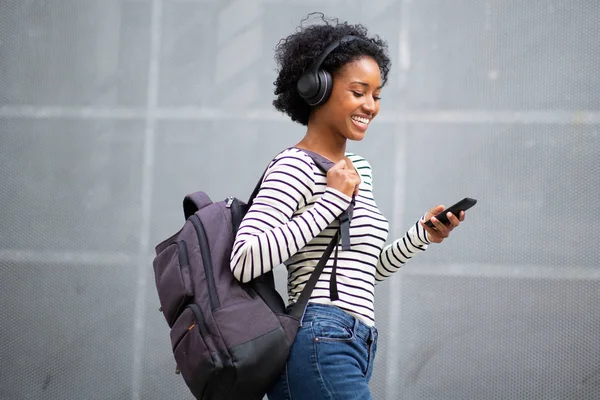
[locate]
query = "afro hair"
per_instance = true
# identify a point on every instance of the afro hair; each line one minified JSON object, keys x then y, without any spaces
{"x":295,"y":53}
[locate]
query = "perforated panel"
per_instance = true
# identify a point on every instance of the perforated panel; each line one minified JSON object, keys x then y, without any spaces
{"x":112,"y":111}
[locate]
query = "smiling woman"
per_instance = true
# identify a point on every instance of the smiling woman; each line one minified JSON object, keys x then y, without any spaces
{"x":330,"y":79}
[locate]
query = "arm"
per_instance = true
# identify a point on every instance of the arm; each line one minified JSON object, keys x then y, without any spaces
{"x":270,"y":233}
{"x":395,"y":255}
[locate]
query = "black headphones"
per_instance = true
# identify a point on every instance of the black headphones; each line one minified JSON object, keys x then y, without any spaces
{"x":315,"y":84}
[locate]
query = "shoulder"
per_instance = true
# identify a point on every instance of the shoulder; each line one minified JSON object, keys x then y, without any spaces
{"x":294,"y":167}
{"x":361,"y":164}
{"x":292,"y":157}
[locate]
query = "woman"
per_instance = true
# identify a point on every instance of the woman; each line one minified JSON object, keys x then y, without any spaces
{"x":294,"y":215}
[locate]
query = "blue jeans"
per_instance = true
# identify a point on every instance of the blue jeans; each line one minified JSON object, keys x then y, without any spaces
{"x":330,"y":359}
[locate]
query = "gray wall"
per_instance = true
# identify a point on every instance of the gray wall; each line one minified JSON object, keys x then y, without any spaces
{"x":111,"y":111}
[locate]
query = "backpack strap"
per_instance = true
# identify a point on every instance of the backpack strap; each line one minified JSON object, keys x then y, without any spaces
{"x":344,"y":231}
{"x":345,"y":217}
{"x":299,"y":308}
{"x":257,"y":188}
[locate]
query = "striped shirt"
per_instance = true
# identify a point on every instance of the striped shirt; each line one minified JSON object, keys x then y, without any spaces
{"x":293,"y":219}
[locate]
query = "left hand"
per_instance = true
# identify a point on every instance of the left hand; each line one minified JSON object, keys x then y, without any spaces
{"x":441,"y":231}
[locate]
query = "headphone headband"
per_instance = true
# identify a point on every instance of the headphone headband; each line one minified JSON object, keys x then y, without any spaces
{"x":315,"y":84}
{"x":314,"y":67}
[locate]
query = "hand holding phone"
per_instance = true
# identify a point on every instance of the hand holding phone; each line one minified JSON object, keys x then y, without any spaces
{"x":455,"y":209}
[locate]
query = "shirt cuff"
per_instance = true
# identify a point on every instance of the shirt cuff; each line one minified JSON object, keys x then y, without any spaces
{"x":418,"y":233}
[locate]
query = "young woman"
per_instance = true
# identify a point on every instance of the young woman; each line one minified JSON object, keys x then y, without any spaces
{"x":330,"y":79}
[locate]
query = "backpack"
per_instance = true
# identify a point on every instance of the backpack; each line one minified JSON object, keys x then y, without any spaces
{"x":230,"y":339}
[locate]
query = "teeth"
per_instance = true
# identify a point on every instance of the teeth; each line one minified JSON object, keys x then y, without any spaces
{"x":360,"y":119}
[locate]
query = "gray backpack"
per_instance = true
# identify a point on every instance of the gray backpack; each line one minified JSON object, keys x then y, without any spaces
{"x":230,"y":339}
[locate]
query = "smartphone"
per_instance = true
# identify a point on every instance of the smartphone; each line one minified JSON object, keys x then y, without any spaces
{"x":462,"y":205}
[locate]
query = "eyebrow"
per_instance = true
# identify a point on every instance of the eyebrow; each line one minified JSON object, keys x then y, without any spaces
{"x":365,"y":84}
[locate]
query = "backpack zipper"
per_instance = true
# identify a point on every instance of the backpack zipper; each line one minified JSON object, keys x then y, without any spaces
{"x":200,"y":320}
{"x":220,"y":359}
{"x":183,"y":253}
{"x":203,"y":328}
{"x":206,"y":260}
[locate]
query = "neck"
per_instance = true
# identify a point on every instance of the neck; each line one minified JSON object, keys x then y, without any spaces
{"x":324,"y":142}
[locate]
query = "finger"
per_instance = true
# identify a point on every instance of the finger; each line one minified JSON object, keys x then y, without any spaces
{"x":442,"y":229}
{"x":353,"y":176}
{"x":352,"y":172}
{"x":462,"y":216}
{"x":453,"y":220}
{"x":437,"y":209}
{"x":432,"y":235}
{"x":340,"y":164}
{"x":434,"y":211}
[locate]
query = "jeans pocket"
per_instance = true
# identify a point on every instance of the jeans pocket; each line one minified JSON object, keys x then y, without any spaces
{"x":331,"y":330}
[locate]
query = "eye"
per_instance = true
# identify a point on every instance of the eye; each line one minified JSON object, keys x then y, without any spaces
{"x":377,"y":98}
{"x":357,"y":94}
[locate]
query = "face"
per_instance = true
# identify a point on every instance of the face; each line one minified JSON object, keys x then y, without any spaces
{"x":354,"y":100}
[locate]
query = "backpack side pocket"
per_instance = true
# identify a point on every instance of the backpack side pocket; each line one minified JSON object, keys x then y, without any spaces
{"x":173,"y":280}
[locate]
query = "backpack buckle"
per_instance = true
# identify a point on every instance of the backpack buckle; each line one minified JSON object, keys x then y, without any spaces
{"x":229,"y":202}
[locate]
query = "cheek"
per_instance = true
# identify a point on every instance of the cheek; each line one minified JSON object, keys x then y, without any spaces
{"x":339,"y":110}
{"x":344,"y":101}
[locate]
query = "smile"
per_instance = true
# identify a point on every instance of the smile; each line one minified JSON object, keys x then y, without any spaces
{"x":360,"y":122}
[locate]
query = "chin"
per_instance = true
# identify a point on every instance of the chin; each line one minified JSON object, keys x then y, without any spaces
{"x":356,"y":135}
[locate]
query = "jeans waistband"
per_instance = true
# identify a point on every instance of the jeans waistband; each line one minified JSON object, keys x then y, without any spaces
{"x":361,"y":330}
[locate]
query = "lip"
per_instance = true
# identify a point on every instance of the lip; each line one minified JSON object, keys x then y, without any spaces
{"x":360,"y":126}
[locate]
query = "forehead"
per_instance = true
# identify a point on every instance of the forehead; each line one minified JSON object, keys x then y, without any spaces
{"x":364,"y":69}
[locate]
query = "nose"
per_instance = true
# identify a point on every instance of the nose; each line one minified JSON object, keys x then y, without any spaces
{"x":369,"y":105}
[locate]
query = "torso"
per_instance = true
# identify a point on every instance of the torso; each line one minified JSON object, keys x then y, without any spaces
{"x":355,"y":267}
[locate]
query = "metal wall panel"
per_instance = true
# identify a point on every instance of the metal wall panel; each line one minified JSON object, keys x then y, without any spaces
{"x":112,"y":111}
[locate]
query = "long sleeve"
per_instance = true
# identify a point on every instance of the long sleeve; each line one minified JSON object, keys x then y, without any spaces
{"x":273,"y":230}
{"x":400,"y":251}
{"x":396,"y":254}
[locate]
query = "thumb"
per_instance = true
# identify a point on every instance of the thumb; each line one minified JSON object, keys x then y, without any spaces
{"x":340,"y":164}
{"x":434,"y":211}
{"x":438,"y":209}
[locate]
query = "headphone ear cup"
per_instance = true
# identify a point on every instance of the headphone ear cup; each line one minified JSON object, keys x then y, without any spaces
{"x":308,"y":86}
{"x":323,"y":91}
{"x":325,"y":87}
{"x":315,"y":89}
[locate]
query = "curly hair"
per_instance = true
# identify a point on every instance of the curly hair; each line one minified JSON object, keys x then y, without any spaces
{"x":296,"y":53}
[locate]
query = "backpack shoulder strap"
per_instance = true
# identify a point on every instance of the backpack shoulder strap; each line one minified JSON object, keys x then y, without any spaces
{"x":257,"y":187}
{"x":323,"y":163}
{"x":299,"y":307}
{"x":344,"y":233}
{"x":345,"y":218}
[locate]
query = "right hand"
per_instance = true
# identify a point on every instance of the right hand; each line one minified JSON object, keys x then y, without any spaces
{"x":343,"y":179}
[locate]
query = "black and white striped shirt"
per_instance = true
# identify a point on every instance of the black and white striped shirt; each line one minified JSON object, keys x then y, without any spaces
{"x":293,"y":219}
